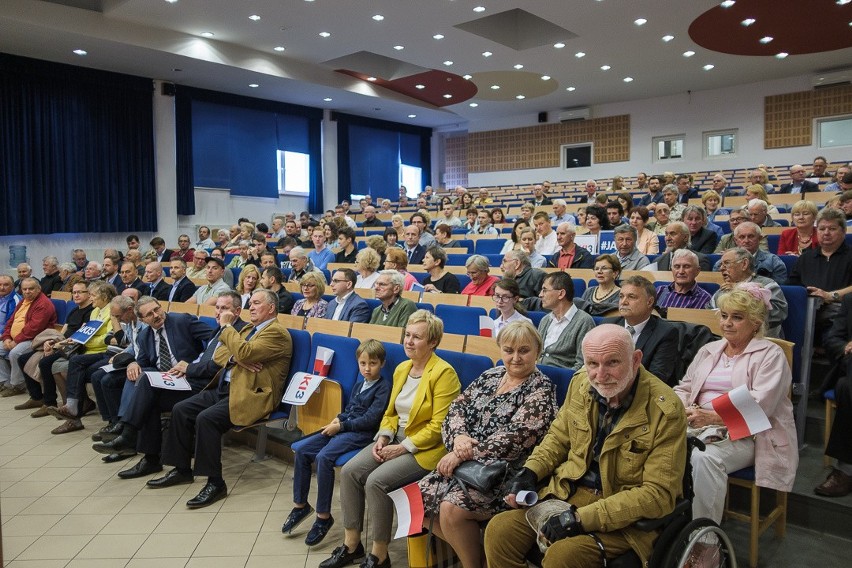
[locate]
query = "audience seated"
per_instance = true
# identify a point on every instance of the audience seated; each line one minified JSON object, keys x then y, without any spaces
{"x":677,"y":238}
{"x":481,"y":282}
{"x":207,"y":294}
{"x":506,"y":300}
{"x":568,"y":255}
{"x":367,"y":263}
{"x":393,"y":310}
{"x":563,"y":329}
{"x":546,"y":245}
{"x":9,"y":299}
{"x":346,"y":305}
{"x":798,"y":183}
{"x":629,"y":256}
{"x":412,"y":248}
{"x":516,"y":265}
{"x":439,"y":279}
{"x":701,"y":239}
{"x":312,"y":304}
{"x":130,"y":278}
{"x":748,"y":235}
{"x":602,"y":298}
{"x":684,"y":291}
{"x":300,"y":264}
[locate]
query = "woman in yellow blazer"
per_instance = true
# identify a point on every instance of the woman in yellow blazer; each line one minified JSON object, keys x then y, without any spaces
{"x":408,"y":445}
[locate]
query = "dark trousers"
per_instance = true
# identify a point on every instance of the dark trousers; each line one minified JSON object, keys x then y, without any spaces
{"x":80,"y":369}
{"x":198,"y":424}
{"x":47,"y":388}
{"x":840,"y":441}
{"x":108,"y":387}
{"x":144,"y":414}
{"x":323,"y":450}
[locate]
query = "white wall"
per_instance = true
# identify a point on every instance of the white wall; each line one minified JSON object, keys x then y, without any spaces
{"x":738,"y":107}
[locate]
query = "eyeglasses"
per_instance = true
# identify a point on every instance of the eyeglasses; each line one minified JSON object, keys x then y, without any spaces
{"x":336,"y":281}
{"x":308,"y":285}
{"x":502,"y":297}
{"x":80,"y":292}
{"x":602,"y":268}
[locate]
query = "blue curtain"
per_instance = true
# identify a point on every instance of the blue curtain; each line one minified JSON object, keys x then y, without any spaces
{"x":370,"y":151}
{"x":232,"y":142}
{"x":76,"y":150}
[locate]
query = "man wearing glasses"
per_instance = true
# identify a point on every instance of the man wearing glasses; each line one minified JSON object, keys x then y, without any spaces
{"x":184,"y":251}
{"x":394,"y":310}
{"x":563,"y":329}
{"x":728,"y":242}
{"x":346,"y":305}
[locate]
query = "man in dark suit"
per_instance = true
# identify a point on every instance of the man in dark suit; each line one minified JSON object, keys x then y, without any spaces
{"x":256,"y":364}
{"x":273,"y":279}
{"x":346,"y":305}
{"x":655,"y":337}
{"x":685,"y":191}
{"x":110,"y":271}
{"x":540,"y":197}
{"x":516,"y":265}
{"x":182,"y":287}
{"x":161,"y":253}
{"x":169,"y":339}
{"x":838,"y":344}
{"x":411,"y":245}
{"x":130,"y":279}
{"x":153,"y":280}
{"x":798,"y":184}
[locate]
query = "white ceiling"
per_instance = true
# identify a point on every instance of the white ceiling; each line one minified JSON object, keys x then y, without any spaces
{"x":162,"y":40}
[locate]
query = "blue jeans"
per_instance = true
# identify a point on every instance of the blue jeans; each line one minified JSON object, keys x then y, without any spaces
{"x":325,"y":451}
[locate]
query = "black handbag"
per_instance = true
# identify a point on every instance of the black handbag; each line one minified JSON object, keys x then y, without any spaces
{"x":484,"y":478}
{"x":68,"y":349}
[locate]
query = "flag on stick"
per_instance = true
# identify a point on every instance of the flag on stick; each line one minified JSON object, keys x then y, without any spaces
{"x":741,"y":413}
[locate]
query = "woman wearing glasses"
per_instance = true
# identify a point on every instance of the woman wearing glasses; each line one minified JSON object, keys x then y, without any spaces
{"x":481,"y":283}
{"x":600,"y":299}
{"x":507,"y":293}
{"x":312,"y":305}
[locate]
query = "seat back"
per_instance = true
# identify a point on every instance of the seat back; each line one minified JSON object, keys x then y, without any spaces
{"x":487,"y":346}
{"x":364,"y":331}
{"x":394,"y":356}
{"x":61,"y":307}
{"x":331,"y":327}
{"x":560,"y":377}
{"x":462,"y":320}
{"x":344,"y":369}
{"x":467,"y":365}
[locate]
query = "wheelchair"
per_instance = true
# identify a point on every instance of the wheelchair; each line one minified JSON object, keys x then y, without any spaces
{"x":684,"y":542}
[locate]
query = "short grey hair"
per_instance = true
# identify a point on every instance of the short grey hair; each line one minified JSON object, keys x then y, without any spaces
{"x":626,"y":229}
{"x":560,"y":202}
{"x":478,"y":262}
{"x":685,"y":252}
{"x":756,"y":202}
{"x":123,"y":302}
{"x":680,"y":226}
{"x":68,"y":267}
{"x":144,"y":301}
{"x":694,"y":209}
{"x":748,"y":225}
{"x":741,"y":254}
{"x":298,"y":252}
{"x":521,"y":256}
{"x":670,"y":188}
{"x":567,"y":226}
{"x":396,"y":277}
{"x":269,"y":297}
{"x":51,"y":260}
{"x":832,"y":214}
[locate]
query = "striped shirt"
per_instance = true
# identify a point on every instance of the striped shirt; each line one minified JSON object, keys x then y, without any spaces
{"x":696,"y":297}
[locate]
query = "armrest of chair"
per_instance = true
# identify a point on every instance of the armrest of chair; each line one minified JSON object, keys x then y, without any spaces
{"x":648,"y":525}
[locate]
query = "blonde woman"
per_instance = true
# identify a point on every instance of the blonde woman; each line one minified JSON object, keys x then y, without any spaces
{"x":312,"y":305}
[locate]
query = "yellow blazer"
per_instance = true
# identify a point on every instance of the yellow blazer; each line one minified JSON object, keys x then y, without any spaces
{"x":255,"y":395}
{"x":438,"y":387}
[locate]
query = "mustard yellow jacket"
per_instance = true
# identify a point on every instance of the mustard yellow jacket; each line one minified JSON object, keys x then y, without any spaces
{"x":438,"y":387}
{"x":642,"y":460}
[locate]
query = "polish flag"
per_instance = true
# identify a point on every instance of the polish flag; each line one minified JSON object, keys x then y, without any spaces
{"x":408,"y":503}
{"x":322,"y":363}
{"x":486,"y":326}
{"x":741,"y":413}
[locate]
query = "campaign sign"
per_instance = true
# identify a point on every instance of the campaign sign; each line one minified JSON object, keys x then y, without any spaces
{"x":301,"y":387}
{"x":602,"y":243}
{"x":166,"y":381}
{"x":85,"y":333}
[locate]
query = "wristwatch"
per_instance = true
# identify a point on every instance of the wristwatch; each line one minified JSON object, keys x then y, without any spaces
{"x":835,"y":297}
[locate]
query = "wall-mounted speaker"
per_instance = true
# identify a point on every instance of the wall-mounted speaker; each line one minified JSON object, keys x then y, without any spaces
{"x":542,"y":117}
{"x":168,"y":89}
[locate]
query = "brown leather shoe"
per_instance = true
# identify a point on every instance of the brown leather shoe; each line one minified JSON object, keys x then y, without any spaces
{"x":41,"y":412}
{"x":30,"y":403}
{"x":68,"y":426}
{"x":60,"y":412}
{"x":13,"y":391}
{"x":837,"y":484}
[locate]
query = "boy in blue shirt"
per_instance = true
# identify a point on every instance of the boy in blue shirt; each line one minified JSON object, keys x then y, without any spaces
{"x":353,"y":429}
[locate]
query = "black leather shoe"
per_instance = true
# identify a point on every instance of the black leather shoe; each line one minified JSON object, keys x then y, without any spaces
{"x":208,"y":495}
{"x":120,"y":445}
{"x":112,"y":458}
{"x":295,"y":518}
{"x":318,"y":531}
{"x":373,"y":562}
{"x":341,"y":557}
{"x":141,"y":469}
{"x":174,"y":477}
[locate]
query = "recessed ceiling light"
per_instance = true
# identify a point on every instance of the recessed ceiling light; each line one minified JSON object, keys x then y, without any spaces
{"x":571,"y":89}
{"x":640,"y":21}
{"x":371,"y":79}
{"x":438,"y":36}
{"x":324,"y":34}
{"x":628,"y":79}
{"x":495,"y":87}
{"x":421,"y":87}
{"x":709,"y":66}
{"x":766,"y":39}
{"x":399,"y":47}
{"x":254,"y":17}
{"x":843,"y":2}
{"x":748,"y":21}
{"x":176,"y":69}
{"x":487,"y":54}
{"x":448,"y":63}
{"x":781,"y":55}
{"x":378,"y":17}
{"x":579,"y":54}
{"x":520,"y":97}
{"x":545,"y":77}
{"x":206,"y":34}
{"x":412,"y":116}
{"x":689,"y":53}
{"x":467,"y":77}
{"x":559,"y":45}
{"x":667,"y":38}
{"x":474,"y":105}
{"x":479,"y":9}
{"x":448,"y":96}
{"x":81,"y":52}
{"x":518,"y":66}
{"x":728,"y":3}
{"x":254,"y":85}
{"x":328,"y":99}
{"x":278,"y":48}
{"x":171,"y":1}
{"x":605,"y":67}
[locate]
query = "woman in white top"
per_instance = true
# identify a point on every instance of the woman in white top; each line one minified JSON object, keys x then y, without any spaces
{"x":528,"y":238}
{"x":366,"y":264}
{"x":506,"y":296}
{"x":514,"y":243}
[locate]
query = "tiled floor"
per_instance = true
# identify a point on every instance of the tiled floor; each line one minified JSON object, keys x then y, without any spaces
{"x":63,"y":507}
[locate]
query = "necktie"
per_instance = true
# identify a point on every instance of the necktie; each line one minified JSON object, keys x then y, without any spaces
{"x":410,"y":254}
{"x":152,"y":288}
{"x":164,"y":361}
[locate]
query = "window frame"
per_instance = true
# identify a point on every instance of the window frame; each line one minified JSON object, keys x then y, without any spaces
{"x":705,"y":143}
{"x":830,"y":119}
{"x":655,"y":146}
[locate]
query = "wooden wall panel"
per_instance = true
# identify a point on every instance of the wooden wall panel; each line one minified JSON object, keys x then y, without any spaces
{"x":455,"y":161}
{"x":789,"y":118}
{"x":535,"y":147}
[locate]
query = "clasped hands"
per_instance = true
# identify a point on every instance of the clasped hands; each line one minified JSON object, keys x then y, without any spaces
{"x":384,"y":451}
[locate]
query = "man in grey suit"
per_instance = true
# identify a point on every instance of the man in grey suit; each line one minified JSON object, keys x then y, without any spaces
{"x":655,"y":337}
{"x":346,"y":305}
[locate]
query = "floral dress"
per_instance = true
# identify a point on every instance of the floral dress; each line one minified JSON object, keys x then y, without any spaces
{"x":507,"y":427}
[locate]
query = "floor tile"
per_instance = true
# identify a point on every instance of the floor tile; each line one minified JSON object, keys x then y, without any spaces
{"x":221,"y":562}
{"x":55,"y":547}
{"x":235,"y":544}
{"x":113,"y":546}
{"x":53,"y":505}
{"x":197,"y":522}
{"x":157,"y":562}
{"x":74,"y":524}
{"x":173,"y":545}
{"x":13,"y":546}
{"x":133,"y":523}
{"x":99,"y":505}
{"x":29,"y":525}
{"x":242,"y":521}
{"x":35,"y":563}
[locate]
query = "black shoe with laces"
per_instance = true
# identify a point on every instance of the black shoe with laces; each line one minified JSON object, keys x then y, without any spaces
{"x":295,"y":518}
{"x":341,"y":557}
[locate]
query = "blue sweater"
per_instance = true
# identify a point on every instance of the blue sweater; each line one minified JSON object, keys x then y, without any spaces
{"x":364,"y":411}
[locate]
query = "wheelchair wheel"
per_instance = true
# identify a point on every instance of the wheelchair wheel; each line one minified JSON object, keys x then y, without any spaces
{"x":701,"y":544}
